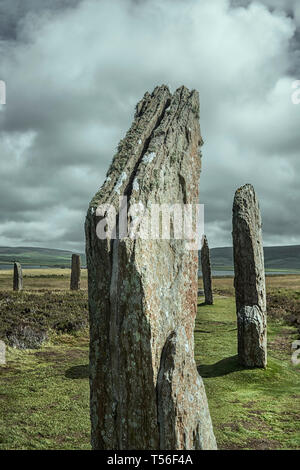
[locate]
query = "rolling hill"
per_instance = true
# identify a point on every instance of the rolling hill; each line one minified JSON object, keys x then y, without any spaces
{"x":276,"y":257}
{"x":30,"y":256}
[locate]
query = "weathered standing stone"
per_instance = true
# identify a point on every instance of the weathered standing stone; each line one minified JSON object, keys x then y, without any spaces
{"x":2,"y":353}
{"x":206,"y":272}
{"x":146,"y":392}
{"x":75,"y":273}
{"x":249,"y":279}
{"x":18,"y":277}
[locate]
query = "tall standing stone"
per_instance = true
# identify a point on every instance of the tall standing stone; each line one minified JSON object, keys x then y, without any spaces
{"x":75,"y":273}
{"x":249,"y":278}
{"x":146,"y":392}
{"x":206,"y":272}
{"x":18,"y":277}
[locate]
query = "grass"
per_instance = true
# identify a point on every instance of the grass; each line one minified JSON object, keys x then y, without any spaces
{"x":44,"y":393}
{"x":250,"y":408}
{"x":42,"y":311}
{"x":290,"y":282}
{"x":44,"y":396}
{"x":42,"y":279}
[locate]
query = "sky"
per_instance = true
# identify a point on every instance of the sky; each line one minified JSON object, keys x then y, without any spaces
{"x":74,"y":71}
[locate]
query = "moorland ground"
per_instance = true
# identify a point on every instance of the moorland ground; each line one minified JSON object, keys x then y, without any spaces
{"x":44,"y":392}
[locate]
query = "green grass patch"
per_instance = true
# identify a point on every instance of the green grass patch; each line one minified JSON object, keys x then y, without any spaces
{"x":44,"y":396}
{"x":62,"y":311}
{"x":250,"y":408}
{"x":44,"y":393}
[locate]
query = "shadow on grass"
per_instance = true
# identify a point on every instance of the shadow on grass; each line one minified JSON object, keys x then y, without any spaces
{"x":78,"y":372}
{"x":202,"y":331}
{"x":223,"y":367}
{"x":204,"y":304}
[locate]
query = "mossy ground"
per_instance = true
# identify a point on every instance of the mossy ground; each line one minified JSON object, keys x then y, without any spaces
{"x":250,"y":408}
{"x":45,"y":310}
{"x":44,"y":396}
{"x":44,"y":393}
{"x":42,"y":279}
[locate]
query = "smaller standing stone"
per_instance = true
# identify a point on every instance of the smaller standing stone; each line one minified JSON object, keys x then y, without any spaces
{"x":75,"y":273}
{"x":18,"y":277}
{"x":206,"y":272}
{"x":249,"y":280}
{"x":2,"y":353}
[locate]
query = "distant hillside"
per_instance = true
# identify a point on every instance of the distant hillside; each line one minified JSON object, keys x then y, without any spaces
{"x":276,"y":257}
{"x":37,"y":256}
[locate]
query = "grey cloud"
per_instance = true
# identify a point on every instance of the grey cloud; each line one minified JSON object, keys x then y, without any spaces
{"x":290,"y":8}
{"x":75,"y":74}
{"x":12,"y":12}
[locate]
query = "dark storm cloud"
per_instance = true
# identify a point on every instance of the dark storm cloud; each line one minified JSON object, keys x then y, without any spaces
{"x":75,"y":70}
{"x":12,"y":12}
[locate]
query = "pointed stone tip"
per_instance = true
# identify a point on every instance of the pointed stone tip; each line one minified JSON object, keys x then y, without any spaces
{"x":190,"y":95}
{"x":158,"y":92}
{"x":245,"y":188}
{"x":182,"y":93}
{"x":182,"y":88}
{"x":162,"y":87}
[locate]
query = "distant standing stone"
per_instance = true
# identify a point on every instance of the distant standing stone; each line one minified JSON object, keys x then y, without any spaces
{"x":18,"y":277}
{"x":249,"y":279}
{"x":2,"y":353}
{"x":206,"y":272}
{"x":75,"y":273}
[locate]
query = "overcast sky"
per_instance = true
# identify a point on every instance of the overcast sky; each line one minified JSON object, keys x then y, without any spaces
{"x":74,"y":71}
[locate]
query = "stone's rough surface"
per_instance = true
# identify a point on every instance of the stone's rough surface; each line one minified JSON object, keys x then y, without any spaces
{"x":206,"y":272}
{"x":252,"y":336}
{"x":75,"y":273}
{"x":145,"y":389}
{"x":18,"y":277}
{"x":183,"y":416}
{"x":2,"y":353}
{"x":249,"y":279}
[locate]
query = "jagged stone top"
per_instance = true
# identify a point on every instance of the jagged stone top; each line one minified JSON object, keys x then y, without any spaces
{"x":244,"y":194}
{"x":204,"y":241}
{"x":137,"y":152}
